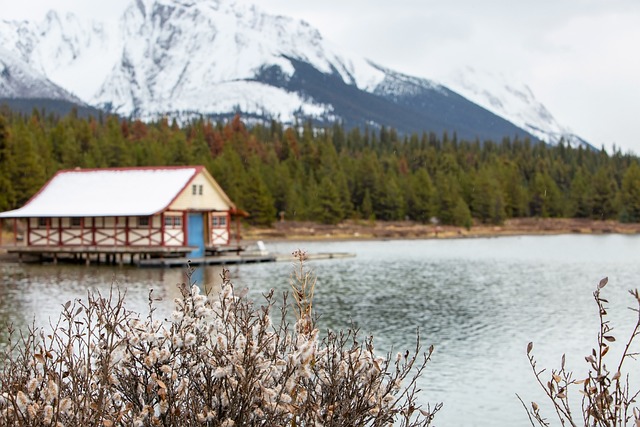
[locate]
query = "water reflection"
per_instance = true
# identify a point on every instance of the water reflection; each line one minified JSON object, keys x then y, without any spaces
{"x":35,"y":293}
{"x":478,"y":301}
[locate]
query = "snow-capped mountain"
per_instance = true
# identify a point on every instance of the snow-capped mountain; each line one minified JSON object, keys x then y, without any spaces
{"x":181,"y":58}
{"x":511,"y":100}
{"x":19,"y":80}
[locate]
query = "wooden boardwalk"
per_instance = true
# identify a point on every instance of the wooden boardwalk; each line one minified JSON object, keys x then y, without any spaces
{"x":208,"y":260}
{"x":155,"y":256}
{"x":96,"y":254}
{"x":237,"y":259}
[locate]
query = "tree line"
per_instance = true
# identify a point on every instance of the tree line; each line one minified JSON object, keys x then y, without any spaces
{"x":331,"y":174}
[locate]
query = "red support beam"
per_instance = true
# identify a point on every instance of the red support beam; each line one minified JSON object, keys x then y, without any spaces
{"x":162,"y":229}
{"x":185,"y":232}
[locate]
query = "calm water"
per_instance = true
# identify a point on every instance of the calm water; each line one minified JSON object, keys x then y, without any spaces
{"x":478,"y":301}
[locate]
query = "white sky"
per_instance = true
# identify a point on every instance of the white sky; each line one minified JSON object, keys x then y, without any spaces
{"x":581,"y":58}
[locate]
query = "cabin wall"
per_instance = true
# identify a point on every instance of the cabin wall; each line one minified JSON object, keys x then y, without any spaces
{"x":107,"y":231}
{"x":219,"y":228}
{"x":200,"y":195}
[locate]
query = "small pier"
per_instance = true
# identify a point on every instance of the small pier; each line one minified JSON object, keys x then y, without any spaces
{"x":207,"y":260}
{"x":227,"y":259}
{"x":316,"y":256}
{"x":152,"y":256}
{"x":114,"y":255}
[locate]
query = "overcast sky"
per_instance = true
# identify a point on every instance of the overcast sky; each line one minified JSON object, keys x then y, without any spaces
{"x":581,"y":58}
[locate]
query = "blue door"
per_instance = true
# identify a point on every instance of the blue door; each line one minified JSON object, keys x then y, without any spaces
{"x":196,"y":234}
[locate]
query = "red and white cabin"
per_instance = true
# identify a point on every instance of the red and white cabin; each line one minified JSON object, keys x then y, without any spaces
{"x":160,"y":207}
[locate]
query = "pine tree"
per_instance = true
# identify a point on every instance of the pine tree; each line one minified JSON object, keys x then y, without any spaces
{"x":603,"y":195}
{"x":328,"y":209}
{"x":389,"y":204}
{"x":257,"y":200}
{"x":487,"y":201}
{"x":421,"y":198}
{"x":630,"y":194}
{"x":366,"y":208}
{"x":545,"y":199}
{"x":461,"y":215}
{"x":580,"y":197}
{"x":7,"y":194}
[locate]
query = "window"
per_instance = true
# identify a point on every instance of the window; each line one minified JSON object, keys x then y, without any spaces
{"x":194,"y":189}
{"x":76,"y":222}
{"x":143,"y":221}
{"x":173,"y":222}
{"x":218,"y":222}
{"x":200,"y":190}
{"x":42,"y":222}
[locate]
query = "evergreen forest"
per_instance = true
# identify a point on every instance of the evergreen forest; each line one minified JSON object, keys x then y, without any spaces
{"x":332,"y":174}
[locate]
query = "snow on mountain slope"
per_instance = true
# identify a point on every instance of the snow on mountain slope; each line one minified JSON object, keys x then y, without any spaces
{"x":183,"y":58}
{"x":513,"y":101}
{"x":74,"y":55}
{"x":224,"y":45}
{"x":19,"y":80}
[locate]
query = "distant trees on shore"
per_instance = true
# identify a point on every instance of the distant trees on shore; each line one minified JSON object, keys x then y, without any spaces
{"x":331,"y":174}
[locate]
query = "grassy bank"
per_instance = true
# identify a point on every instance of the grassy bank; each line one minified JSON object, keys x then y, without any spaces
{"x":356,"y":230}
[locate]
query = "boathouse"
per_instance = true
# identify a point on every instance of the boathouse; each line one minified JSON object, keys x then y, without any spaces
{"x":144,"y":212}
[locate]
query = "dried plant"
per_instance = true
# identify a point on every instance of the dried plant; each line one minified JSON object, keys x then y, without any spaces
{"x":607,"y":397}
{"x":218,"y":361}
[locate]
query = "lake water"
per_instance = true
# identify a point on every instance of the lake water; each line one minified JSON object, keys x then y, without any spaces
{"x":478,"y":301}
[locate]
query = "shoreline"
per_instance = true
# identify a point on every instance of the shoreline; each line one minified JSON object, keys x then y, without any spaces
{"x":408,"y":230}
{"x":360,"y":230}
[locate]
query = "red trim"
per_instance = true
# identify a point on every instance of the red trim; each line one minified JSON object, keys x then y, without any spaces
{"x":162,"y":229}
{"x":185,"y":231}
{"x":126,"y":231}
{"x":28,"y":229}
{"x":198,"y":170}
{"x":198,"y":167}
{"x":228,"y":228}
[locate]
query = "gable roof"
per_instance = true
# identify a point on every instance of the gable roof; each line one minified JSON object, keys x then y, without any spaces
{"x":108,"y":192}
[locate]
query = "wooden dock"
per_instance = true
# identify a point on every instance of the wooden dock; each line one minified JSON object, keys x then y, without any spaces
{"x":313,"y":257}
{"x":208,"y":260}
{"x":237,"y":259}
{"x":97,"y":254}
{"x":156,"y":256}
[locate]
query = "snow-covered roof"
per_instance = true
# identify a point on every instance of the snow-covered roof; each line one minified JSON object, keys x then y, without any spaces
{"x":107,"y":192}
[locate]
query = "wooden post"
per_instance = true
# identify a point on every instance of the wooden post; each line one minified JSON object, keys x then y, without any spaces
{"x":162,"y":229}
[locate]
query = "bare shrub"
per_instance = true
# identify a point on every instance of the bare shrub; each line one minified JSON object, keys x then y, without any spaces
{"x":218,"y":361}
{"x":606,"y":395}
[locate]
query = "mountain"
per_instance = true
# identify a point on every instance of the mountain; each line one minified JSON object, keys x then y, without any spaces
{"x":511,"y":100}
{"x":18,"y":80}
{"x":214,"y":58}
